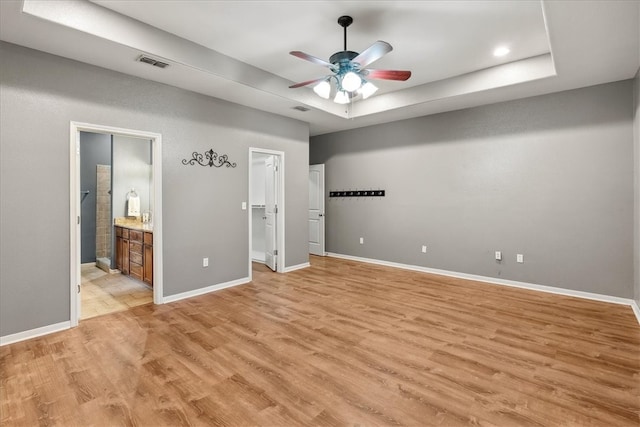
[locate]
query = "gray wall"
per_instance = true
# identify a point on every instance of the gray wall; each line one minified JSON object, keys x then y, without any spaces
{"x":636,"y":219}
{"x":550,"y":177}
{"x":95,"y":149}
{"x":40,"y":94}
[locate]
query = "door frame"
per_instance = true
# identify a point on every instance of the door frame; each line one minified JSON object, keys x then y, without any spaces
{"x":280,"y":234}
{"x":74,"y":208}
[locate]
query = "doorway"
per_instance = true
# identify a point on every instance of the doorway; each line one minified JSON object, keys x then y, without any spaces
{"x":266,"y":213}
{"x":154,"y":195}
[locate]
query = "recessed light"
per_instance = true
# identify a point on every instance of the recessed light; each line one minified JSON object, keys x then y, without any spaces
{"x":501,"y":51}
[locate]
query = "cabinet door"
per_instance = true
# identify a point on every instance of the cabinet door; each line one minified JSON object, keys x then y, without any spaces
{"x":119,"y":252}
{"x":125,"y":257}
{"x":148,"y":264}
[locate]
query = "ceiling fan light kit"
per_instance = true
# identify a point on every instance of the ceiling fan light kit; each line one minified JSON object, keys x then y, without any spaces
{"x":349,"y":70}
{"x":341,"y":97}
{"x":323,"y":89}
{"x":367,"y":90}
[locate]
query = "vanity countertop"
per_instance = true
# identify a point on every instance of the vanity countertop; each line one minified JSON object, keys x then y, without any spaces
{"x":134,"y":225}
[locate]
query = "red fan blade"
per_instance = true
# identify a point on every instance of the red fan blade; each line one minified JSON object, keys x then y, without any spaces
{"x":388,"y":74}
{"x":311,"y":58}
{"x":373,"y":53}
{"x":308,"y":82}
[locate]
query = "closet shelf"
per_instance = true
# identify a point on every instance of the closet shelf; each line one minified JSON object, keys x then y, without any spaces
{"x":257,"y":206}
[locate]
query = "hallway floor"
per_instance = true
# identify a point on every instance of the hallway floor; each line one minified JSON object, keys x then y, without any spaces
{"x":104,"y":293}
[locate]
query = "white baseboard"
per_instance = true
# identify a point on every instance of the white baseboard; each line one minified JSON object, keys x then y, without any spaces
{"x":495,"y":281}
{"x":33,"y":333}
{"x":202,"y":291}
{"x":636,"y":309}
{"x":296,"y":267}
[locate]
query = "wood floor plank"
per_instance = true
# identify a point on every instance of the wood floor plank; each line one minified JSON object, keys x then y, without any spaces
{"x":341,"y":343}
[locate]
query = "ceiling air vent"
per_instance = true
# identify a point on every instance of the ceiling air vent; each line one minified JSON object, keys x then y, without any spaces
{"x":301,"y":108}
{"x":151,"y":61}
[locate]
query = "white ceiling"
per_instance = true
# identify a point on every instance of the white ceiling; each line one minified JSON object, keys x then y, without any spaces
{"x":239,"y":50}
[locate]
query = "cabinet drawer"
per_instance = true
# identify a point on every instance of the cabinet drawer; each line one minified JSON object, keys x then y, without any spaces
{"x":125,"y":233}
{"x":135,"y":236}
{"x":118,"y":231}
{"x":135,"y":270}
{"x":148,"y":238}
{"x":135,"y":248}
{"x":134,"y":257}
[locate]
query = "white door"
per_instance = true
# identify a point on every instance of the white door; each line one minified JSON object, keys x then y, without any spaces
{"x":316,"y":210}
{"x":271,"y":211}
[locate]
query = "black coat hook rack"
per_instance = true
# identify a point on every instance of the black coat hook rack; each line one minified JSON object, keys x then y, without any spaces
{"x":357,"y":193}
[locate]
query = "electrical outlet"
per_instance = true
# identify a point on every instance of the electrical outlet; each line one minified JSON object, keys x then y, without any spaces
{"x":205,"y":262}
{"x":520,"y":258}
{"x":424,"y":249}
{"x":498,"y":256}
{"x":362,"y":240}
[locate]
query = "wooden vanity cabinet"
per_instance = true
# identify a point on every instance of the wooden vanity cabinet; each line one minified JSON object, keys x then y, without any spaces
{"x":118,"y":231}
{"x":122,"y":250}
{"x":134,"y":253}
{"x":147,"y":266}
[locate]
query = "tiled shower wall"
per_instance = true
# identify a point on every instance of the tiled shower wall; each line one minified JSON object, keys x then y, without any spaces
{"x":103,"y":211}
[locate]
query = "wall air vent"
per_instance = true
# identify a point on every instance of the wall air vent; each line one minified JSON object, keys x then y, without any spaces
{"x":151,"y":61}
{"x":301,"y":108}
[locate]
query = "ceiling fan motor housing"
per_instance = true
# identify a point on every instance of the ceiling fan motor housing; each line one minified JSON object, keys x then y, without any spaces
{"x":343,"y":58}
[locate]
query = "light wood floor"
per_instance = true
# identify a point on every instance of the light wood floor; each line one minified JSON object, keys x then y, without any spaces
{"x":104,"y":293}
{"x":340,"y":343}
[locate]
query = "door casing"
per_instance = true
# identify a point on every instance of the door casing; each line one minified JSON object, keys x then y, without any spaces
{"x":74,"y":208}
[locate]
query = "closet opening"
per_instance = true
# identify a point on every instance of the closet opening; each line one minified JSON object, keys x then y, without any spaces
{"x":266,"y":208}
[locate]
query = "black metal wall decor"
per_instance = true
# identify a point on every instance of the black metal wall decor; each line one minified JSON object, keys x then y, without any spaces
{"x":357,"y":193}
{"x":213,"y":159}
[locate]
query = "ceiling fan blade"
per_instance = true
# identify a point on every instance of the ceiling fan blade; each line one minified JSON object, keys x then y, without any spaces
{"x":311,"y":58}
{"x":388,"y":74}
{"x":372,"y":53}
{"x":308,"y":82}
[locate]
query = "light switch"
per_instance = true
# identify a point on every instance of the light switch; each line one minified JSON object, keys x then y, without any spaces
{"x":244,"y":206}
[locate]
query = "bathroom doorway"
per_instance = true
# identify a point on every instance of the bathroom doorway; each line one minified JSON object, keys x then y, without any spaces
{"x":111,"y":168}
{"x":108,"y":166}
{"x":266,"y":210}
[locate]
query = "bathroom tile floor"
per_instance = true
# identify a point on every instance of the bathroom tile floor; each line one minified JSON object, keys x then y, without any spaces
{"x":104,"y":293}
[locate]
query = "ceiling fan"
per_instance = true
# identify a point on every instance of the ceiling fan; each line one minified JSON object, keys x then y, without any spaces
{"x":349,"y":70}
